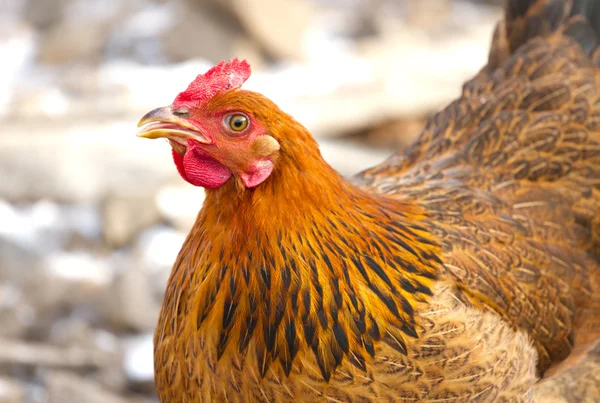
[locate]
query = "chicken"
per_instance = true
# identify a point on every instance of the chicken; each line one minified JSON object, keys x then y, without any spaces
{"x":464,"y":268}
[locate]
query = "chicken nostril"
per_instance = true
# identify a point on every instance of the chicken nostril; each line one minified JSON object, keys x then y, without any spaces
{"x":181,"y":112}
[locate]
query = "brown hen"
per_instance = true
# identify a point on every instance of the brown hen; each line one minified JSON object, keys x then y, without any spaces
{"x":464,"y":268}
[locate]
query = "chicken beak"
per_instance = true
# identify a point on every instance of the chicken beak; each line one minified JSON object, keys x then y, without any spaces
{"x":162,"y":123}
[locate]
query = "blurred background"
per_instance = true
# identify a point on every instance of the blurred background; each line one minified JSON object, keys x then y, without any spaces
{"x":91,"y":217}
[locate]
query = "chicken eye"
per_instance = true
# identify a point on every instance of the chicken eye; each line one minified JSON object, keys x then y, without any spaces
{"x":237,"y":122}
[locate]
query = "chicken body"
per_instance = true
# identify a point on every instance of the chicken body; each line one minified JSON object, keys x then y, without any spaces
{"x":464,"y":268}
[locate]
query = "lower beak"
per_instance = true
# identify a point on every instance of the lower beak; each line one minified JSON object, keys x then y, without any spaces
{"x":161,"y":122}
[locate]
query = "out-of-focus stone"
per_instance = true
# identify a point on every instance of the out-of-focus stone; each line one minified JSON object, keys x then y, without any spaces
{"x":63,"y":282}
{"x":350,"y":157}
{"x":126,"y":217}
{"x":156,"y":251}
{"x":138,"y":362}
{"x":86,"y":40}
{"x":17,"y":50}
{"x":44,"y":14}
{"x":18,"y":266}
{"x":395,"y":134}
{"x":16,"y":315}
{"x":71,"y":331}
{"x":80,"y":272}
{"x":11,"y":391}
{"x":157,"y":248}
{"x":39,"y":228}
{"x":136,"y":307}
{"x":65,"y":387}
{"x":269,"y":22}
{"x":45,"y":227}
{"x":81,"y":34}
{"x":42,"y":101}
{"x":111,"y":375}
{"x":16,"y":261}
{"x":75,"y":330}
{"x":33,"y":298}
{"x":142,"y":24}
{"x":81,"y":162}
{"x":179,"y":204}
{"x":196,"y":22}
{"x":428,"y":14}
{"x":130,"y":302}
{"x":25,"y":354}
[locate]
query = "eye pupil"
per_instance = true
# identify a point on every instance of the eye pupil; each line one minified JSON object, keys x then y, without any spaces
{"x":238,"y":122}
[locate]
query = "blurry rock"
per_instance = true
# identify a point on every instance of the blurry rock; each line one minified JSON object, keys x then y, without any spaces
{"x":11,"y":391}
{"x":83,"y":219}
{"x":16,"y":260}
{"x":47,"y":102}
{"x":111,"y":375}
{"x":86,"y":226}
{"x":16,"y":314}
{"x":350,"y":157}
{"x":44,"y":14}
{"x":36,"y":294}
{"x":35,"y":290}
{"x":142,"y":399}
{"x":143,"y":22}
{"x":395,"y":134}
{"x":134,"y":87}
{"x":80,"y":272}
{"x":18,"y":265}
{"x":156,"y":251}
{"x":85,"y":43}
{"x":38,"y":227}
{"x":17,"y":49}
{"x":72,"y":330}
{"x":180,"y":204}
{"x":133,"y":300}
{"x":130,"y":302}
{"x":75,"y":330}
{"x":65,"y":387}
{"x":15,"y":353}
{"x":45,"y":227}
{"x":133,"y":305}
{"x":80,"y":162}
{"x":269,"y":23}
{"x":125,"y":217}
{"x":203,"y":29}
{"x":81,"y":34}
{"x":428,"y":14}
{"x":498,"y":3}
{"x":65,"y":281}
{"x":139,"y":362}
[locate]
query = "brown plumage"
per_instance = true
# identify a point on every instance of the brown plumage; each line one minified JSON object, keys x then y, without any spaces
{"x":464,"y":268}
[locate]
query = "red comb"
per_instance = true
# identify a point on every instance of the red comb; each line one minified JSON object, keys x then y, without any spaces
{"x":224,"y":76}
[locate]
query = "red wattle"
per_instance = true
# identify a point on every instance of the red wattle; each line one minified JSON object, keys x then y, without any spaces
{"x":178,"y":158}
{"x":199,"y":168}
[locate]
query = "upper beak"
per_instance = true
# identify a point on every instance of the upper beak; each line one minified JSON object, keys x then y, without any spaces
{"x":161,"y":122}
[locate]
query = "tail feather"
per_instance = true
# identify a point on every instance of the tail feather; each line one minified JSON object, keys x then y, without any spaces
{"x":528,"y":19}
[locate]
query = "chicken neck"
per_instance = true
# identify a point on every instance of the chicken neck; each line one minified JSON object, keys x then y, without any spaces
{"x":306,"y":261}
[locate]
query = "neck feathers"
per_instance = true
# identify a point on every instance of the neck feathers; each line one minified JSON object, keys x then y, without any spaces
{"x":306,"y":263}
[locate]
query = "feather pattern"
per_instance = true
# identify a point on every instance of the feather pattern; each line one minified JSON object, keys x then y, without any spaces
{"x":300,"y":290}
